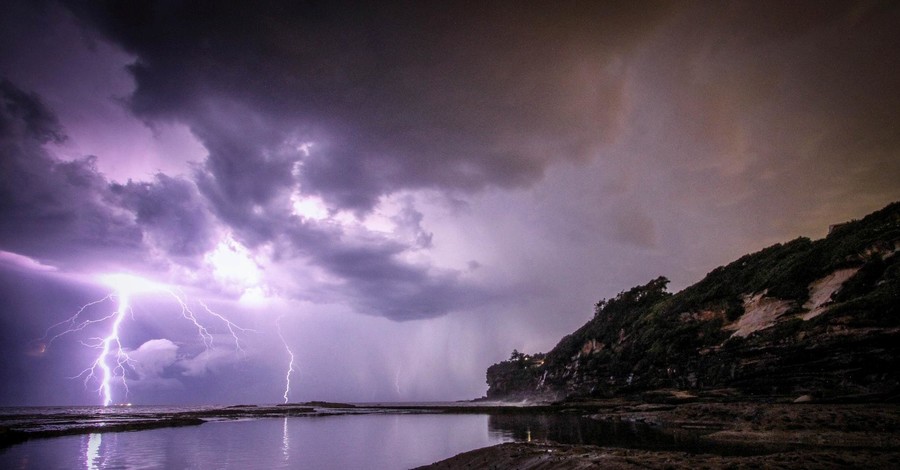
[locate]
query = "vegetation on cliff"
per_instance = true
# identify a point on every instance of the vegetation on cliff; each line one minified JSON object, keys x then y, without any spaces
{"x":804,"y":317}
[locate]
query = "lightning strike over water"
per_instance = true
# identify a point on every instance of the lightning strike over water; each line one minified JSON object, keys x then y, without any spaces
{"x":113,"y":361}
{"x":108,"y":372}
{"x":287,"y":377}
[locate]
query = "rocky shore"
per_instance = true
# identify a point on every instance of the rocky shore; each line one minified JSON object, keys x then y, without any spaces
{"x":737,"y":435}
{"x":544,"y":456}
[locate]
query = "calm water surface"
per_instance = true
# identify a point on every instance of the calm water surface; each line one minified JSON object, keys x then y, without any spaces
{"x":345,"y":442}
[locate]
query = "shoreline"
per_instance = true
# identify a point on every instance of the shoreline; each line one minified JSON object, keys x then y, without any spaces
{"x":776,"y":435}
{"x":706,"y":433}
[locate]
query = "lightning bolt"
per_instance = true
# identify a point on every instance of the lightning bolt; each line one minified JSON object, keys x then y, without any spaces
{"x":188,"y":314}
{"x":287,"y":376}
{"x":121,"y":357}
{"x":76,"y":323}
{"x":109,"y":345}
{"x":231,"y":326}
{"x":113,"y":361}
{"x":202,"y":331}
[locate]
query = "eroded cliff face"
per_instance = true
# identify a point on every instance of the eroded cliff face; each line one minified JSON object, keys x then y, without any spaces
{"x":819,"y":318}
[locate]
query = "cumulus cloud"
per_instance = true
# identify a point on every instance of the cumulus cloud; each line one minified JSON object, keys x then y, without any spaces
{"x":151,"y":361}
{"x":156,"y":361}
{"x":152,"y":358}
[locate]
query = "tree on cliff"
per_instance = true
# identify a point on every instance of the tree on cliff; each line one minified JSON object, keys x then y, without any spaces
{"x":516,"y":355}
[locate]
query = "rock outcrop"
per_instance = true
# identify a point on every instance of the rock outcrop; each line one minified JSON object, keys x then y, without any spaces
{"x":818,"y":318}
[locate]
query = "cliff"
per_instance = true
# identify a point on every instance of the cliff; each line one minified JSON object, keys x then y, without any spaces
{"x":817,"y":318}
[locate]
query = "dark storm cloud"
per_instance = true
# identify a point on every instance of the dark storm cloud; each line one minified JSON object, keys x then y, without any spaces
{"x":392,"y":96}
{"x":49,"y":208}
{"x":67,"y":212}
{"x":248,"y":175}
{"x":396,"y":95}
{"x":381,"y":284}
{"x":25,"y":116}
{"x":372,"y":275}
{"x":170,"y":211}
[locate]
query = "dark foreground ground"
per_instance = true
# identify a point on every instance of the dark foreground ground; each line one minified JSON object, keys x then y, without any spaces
{"x":773,"y":436}
{"x":551,"y":456}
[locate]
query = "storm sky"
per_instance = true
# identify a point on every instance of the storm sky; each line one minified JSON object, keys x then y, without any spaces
{"x":410,"y":190}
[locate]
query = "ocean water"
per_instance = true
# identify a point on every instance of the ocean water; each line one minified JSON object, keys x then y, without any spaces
{"x":339,"y":441}
{"x":277,"y":437}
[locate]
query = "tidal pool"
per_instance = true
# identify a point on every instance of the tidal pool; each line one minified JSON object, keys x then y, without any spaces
{"x":377,"y":441}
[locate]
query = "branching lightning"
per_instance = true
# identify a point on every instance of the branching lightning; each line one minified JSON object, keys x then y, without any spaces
{"x":287,"y":376}
{"x":113,"y":361}
{"x":76,"y":323}
{"x":188,"y":314}
{"x":106,"y":345}
{"x":231,"y":326}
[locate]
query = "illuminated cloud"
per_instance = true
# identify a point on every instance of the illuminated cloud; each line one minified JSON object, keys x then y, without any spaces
{"x":234,"y":268}
{"x":153,"y":357}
